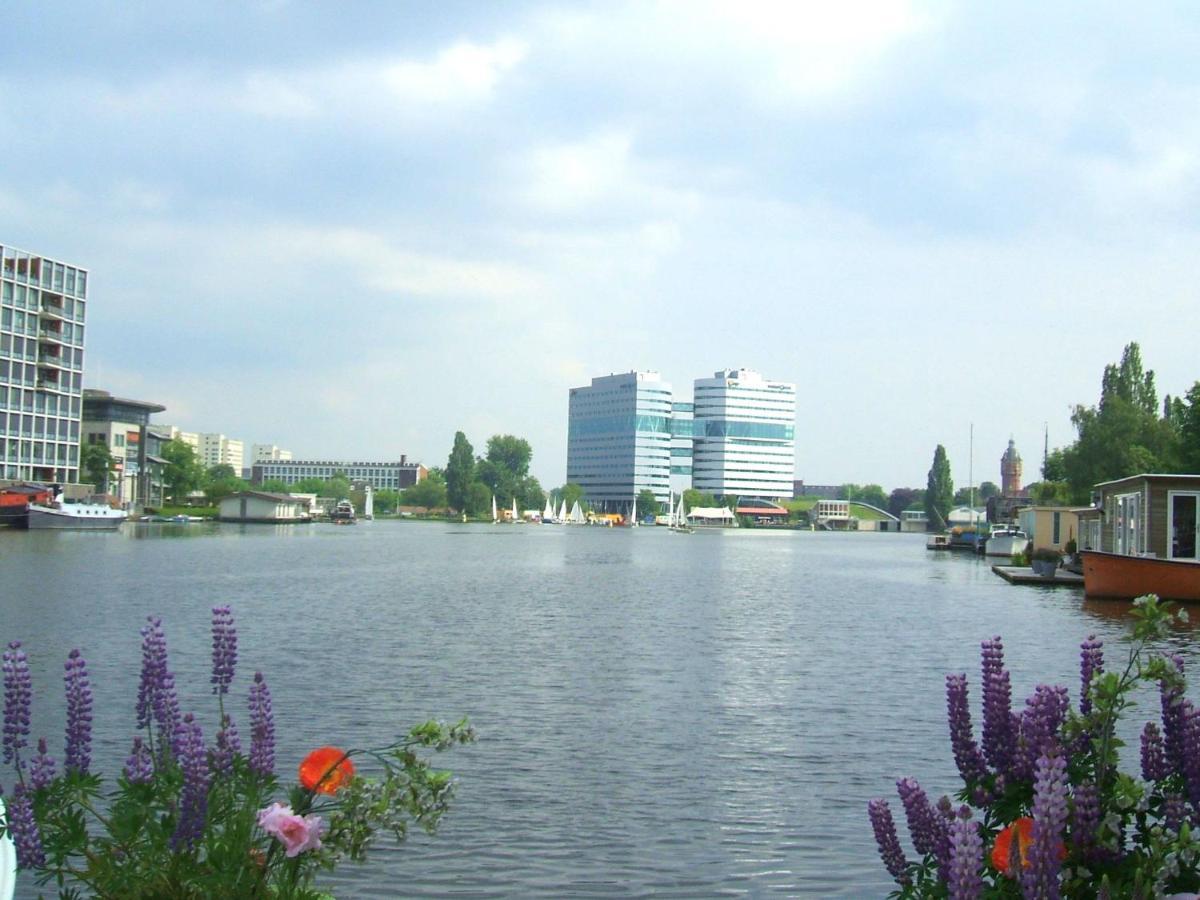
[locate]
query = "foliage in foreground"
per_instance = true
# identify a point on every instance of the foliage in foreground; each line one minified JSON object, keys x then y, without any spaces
{"x":189,"y":819}
{"x":1051,"y":815}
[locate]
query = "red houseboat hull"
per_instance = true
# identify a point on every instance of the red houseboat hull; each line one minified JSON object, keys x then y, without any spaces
{"x":1124,"y":577}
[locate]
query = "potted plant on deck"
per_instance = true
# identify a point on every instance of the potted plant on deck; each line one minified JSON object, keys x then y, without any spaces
{"x":1045,"y":561}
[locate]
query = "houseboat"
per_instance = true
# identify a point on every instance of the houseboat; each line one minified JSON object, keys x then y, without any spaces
{"x":1147,"y":539}
{"x":15,"y":500}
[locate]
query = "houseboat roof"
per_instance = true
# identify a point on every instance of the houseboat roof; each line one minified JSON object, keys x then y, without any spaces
{"x":267,"y":495}
{"x":1151,"y":476}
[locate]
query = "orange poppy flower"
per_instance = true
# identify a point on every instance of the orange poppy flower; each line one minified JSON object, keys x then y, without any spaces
{"x":325,"y":770}
{"x":1003,"y":847}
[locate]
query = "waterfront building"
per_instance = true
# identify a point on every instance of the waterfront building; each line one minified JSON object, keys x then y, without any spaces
{"x":390,"y":476}
{"x":682,"y":427}
{"x":269,"y":452}
{"x":744,"y":440}
{"x":619,"y":438}
{"x":43,"y":303}
{"x":124,"y":427}
{"x":261,"y":506}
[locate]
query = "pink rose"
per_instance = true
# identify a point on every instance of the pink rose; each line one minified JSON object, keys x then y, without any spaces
{"x":296,"y":833}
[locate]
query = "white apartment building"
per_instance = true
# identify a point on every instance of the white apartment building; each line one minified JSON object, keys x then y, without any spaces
{"x":217,"y":449}
{"x":619,"y":438}
{"x":744,"y":435}
{"x":42,"y":307}
{"x":188,"y":437}
{"x":269,"y":453}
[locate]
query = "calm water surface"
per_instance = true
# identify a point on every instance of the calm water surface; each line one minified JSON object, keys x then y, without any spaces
{"x":659,"y":714}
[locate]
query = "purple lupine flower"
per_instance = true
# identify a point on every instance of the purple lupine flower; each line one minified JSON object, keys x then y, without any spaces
{"x":23,"y":828}
{"x":927,"y":826}
{"x":1175,"y":811}
{"x":1091,"y":663}
{"x":1190,"y":718}
{"x":1085,"y":820}
{"x":999,"y":736}
{"x":224,"y":648}
{"x":1154,"y":757}
{"x":157,"y":701}
{"x":18,"y":697}
{"x":42,"y":769}
{"x":139,"y":767}
{"x":193,"y":798}
{"x":1171,"y":698}
{"x":79,"y":713}
{"x":966,"y":753}
{"x":1040,"y":879}
{"x":966,"y":858}
{"x":228,"y":745}
{"x":262,"y":728}
{"x":888,"y":841}
{"x":1043,"y":716}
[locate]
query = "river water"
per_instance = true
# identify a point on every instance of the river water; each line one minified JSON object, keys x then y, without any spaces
{"x":658,"y":714}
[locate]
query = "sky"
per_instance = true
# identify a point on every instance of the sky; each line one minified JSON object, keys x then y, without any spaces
{"x":353,"y":229}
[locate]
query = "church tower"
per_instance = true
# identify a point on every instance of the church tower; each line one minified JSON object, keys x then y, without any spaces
{"x":1010,"y":471}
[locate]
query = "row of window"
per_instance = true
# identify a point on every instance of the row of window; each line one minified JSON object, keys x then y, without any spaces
{"x":15,"y":374}
{"x":25,"y":268}
{"x":38,"y":452}
{"x":38,"y":401}
{"x":14,"y":347}
{"x":38,"y":426}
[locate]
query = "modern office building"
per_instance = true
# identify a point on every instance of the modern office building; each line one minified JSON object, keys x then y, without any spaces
{"x":744,"y":435}
{"x":390,"y":476}
{"x":619,"y":438}
{"x":682,"y":437}
{"x":134,"y":442}
{"x":42,"y":310}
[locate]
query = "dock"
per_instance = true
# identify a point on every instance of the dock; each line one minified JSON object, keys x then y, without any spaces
{"x":1025,"y":575}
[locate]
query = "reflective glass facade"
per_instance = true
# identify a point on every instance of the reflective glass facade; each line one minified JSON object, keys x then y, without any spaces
{"x":43,"y":305}
{"x":619,"y":438}
{"x":744,"y":435}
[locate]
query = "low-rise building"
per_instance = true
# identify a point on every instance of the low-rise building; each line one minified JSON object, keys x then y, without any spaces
{"x":392,"y":476}
{"x":1049,"y":527}
{"x":262,"y":506}
{"x":830,"y":514}
{"x":1151,"y":515}
{"x":914,"y":520}
{"x":124,"y":427}
{"x":268,"y":452}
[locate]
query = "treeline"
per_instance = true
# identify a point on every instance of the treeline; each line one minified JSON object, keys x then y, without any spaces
{"x":1127,"y":432}
{"x":502,"y":472}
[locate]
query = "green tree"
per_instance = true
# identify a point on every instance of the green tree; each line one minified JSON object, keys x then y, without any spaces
{"x":97,"y":465}
{"x":460,"y":473}
{"x":479,"y":499}
{"x":569,"y":493}
{"x":988,"y":490}
{"x":221,"y":471}
{"x":647,"y":503}
{"x":337,"y":486}
{"x":386,"y":501}
{"x":279,"y":486}
{"x":901,"y":499}
{"x":939,"y":490}
{"x":864,"y":493}
{"x":183,"y":473}
{"x":693,"y":498}
{"x":429,"y":492}
{"x":530,"y":494}
{"x":1187,"y":418}
{"x":511,"y":452}
{"x":1122,"y":435}
{"x":215,"y":489}
{"x":309,"y":486}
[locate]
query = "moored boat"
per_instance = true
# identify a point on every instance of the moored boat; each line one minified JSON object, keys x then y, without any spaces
{"x":15,"y":500}
{"x":58,"y":514}
{"x":1005,"y":540}
{"x":1118,"y":576}
{"x":343,"y":513}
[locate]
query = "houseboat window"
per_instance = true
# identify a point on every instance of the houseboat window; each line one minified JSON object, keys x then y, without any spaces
{"x":1127,"y":524}
{"x":1183,"y":524}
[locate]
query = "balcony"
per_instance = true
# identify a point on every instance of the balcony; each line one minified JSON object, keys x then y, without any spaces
{"x":51,"y":310}
{"x":47,"y":336}
{"x":53,"y":361}
{"x":47,"y":382}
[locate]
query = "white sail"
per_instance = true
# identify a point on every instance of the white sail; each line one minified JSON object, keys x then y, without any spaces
{"x":562,"y":512}
{"x":515,"y":515}
{"x":495,"y":517}
{"x":633,"y":513}
{"x":369,"y":504}
{"x":577,"y":517}
{"x":548,"y":512}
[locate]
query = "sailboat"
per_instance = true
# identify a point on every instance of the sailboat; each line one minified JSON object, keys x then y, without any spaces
{"x":562,"y":513}
{"x":515,"y":515}
{"x":576,"y":517}
{"x":548,"y":512}
{"x":633,"y":522}
{"x":679,"y":518}
{"x":495,"y":517}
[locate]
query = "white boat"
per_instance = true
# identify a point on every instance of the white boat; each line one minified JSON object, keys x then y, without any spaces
{"x":61,"y":515}
{"x":576,"y":517}
{"x":562,"y":513}
{"x":369,"y":504}
{"x":516,"y":516}
{"x":1005,"y":540}
{"x":495,"y":516}
{"x":679,"y":519}
{"x":548,"y":512}
{"x":633,"y":522}
{"x":343,"y":513}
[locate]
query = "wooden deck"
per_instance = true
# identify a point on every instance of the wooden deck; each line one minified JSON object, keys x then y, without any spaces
{"x":1025,"y":575}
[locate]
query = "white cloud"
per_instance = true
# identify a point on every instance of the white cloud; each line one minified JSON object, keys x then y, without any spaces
{"x":464,"y":71}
